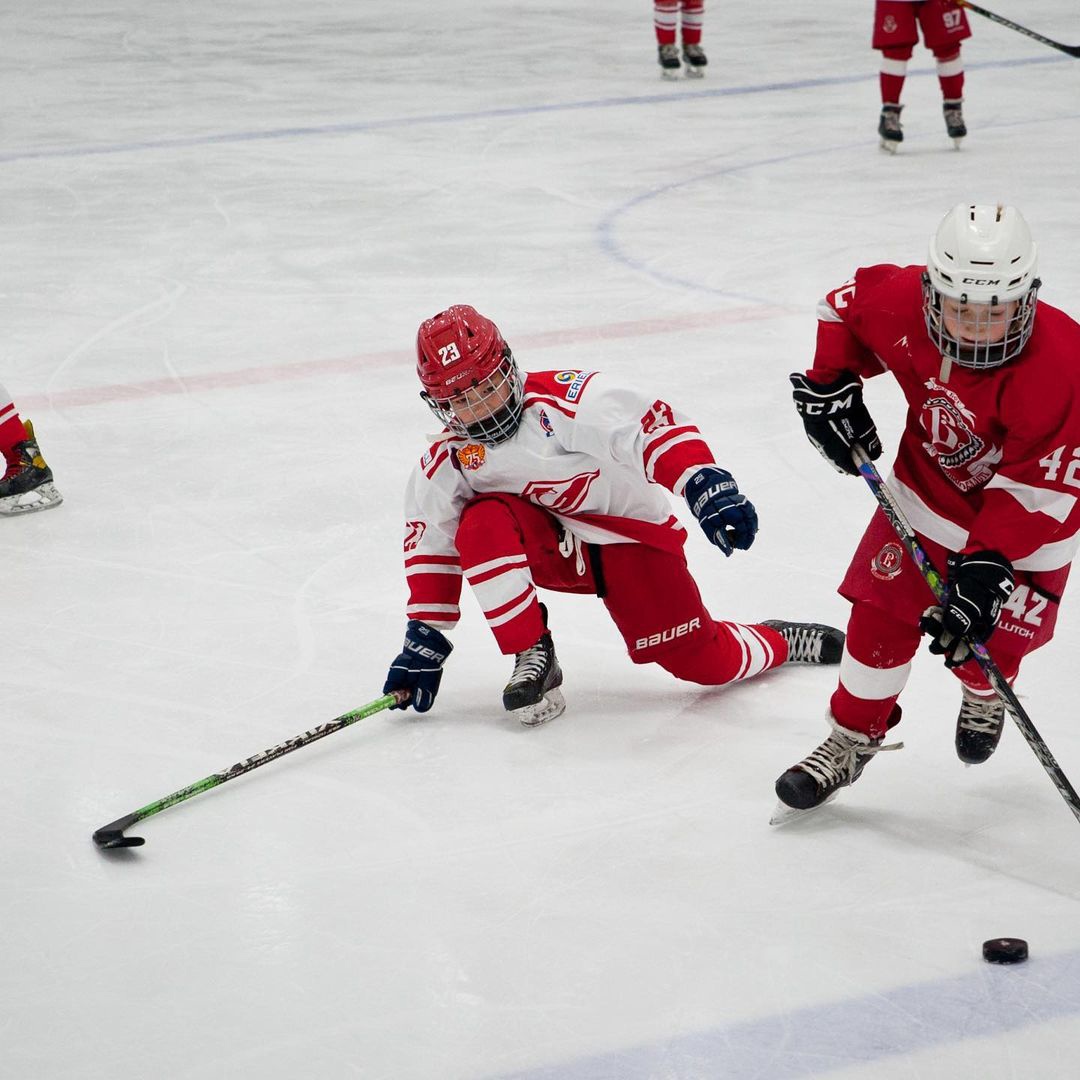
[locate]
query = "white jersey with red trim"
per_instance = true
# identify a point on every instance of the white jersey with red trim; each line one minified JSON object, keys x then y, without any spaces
{"x":592,"y":453}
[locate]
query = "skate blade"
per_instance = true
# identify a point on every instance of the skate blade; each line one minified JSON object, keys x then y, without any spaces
{"x":889,"y":147}
{"x":41,"y":498}
{"x":958,"y":143}
{"x":669,"y":74}
{"x":695,"y":73}
{"x":552,"y":704}
{"x":784,"y":814}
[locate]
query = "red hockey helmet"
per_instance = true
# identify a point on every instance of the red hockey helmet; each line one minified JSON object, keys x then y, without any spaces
{"x":468,"y":373}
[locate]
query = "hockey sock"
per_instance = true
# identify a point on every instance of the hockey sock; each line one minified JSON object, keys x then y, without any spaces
{"x":665,"y":16}
{"x":11,"y":428}
{"x":894,"y":64}
{"x":693,"y":14}
{"x":950,"y":72}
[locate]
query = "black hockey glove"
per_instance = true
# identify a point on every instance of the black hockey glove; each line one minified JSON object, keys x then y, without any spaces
{"x":836,"y":419}
{"x":726,"y":516}
{"x":978,"y":584}
{"x":419,"y":667}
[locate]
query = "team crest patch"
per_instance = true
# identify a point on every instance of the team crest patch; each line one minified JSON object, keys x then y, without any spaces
{"x":471,"y":456}
{"x":889,"y":25}
{"x":545,"y":424}
{"x":888,"y":562}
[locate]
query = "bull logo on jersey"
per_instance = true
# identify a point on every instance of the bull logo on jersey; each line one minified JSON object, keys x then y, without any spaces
{"x":414,"y":533}
{"x":471,"y":456}
{"x":888,"y":562}
{"x":560,"y":496}
{"x":962,"y":455}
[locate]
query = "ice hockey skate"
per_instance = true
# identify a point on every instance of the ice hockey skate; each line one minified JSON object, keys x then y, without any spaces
{"x":892,"y":134}
{"x":838,"y":762}
{"x":694,"y":56}
{"x":668,"y":56}
{"x":533,"y":694}
{"x":978,"y":727}
{"x":809,"y":643}
{"x":27,"y":485}
{"x":954,"y":121}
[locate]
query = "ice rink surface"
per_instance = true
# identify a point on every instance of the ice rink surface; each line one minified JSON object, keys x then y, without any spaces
{"x":221,"y":225}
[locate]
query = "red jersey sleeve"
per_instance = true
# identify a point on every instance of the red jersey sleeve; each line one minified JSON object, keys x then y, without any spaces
{"x":840,"y":344}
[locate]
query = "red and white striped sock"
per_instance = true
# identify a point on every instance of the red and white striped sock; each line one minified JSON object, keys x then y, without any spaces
{"x":693,"y":15}
{"x":950,"y":72}
{"x":665,"y":19}
{"x":12,"y":430}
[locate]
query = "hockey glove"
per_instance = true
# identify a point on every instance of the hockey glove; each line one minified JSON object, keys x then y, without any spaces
{"x":419,"y":667}
{"x":978,"y":584}
{"x":835,"y":419}
{"x":726,"y":516}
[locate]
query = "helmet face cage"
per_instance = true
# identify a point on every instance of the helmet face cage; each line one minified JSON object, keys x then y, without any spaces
{"x":489,"y":409}
{"x":983,"y":354}
{"x":981,"y":257}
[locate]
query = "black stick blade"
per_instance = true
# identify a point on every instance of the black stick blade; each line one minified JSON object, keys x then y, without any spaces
{"x":112,"y":835}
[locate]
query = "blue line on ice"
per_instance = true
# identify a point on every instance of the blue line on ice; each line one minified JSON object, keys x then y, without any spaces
{"x":393,"y":123}
{"x":837,"y":1035}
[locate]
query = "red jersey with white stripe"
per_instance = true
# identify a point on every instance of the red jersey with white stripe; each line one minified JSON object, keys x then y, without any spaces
{"x":989,"y":459}
{"x":592,"y":453}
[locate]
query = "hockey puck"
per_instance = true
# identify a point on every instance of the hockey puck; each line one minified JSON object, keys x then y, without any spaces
{"x":1005,"y":950}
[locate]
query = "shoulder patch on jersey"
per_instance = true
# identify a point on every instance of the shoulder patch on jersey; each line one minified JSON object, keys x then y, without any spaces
{"x":574,"y":381}
{"x":565,"y":385}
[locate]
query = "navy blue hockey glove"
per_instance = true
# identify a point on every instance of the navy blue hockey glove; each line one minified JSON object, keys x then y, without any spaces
{"x":419,"y":667}
{"x":726,"y":516}
{"x":978,"y":584}
{"x":835,"y":419}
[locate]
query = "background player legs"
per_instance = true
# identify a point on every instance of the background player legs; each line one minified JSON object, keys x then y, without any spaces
{"x":950,"y":71}
{"x":693,"y":16}
{"x":665,"y":21}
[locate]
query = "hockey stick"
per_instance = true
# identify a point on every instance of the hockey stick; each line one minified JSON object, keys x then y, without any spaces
{"x":993,"y":675}
{"x":1072,"y":50}
{"x":112,"y":835}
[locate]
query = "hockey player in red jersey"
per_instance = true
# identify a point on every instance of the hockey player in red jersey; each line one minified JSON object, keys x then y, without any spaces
{"x":553,"y":480}
{"x":944,"y":25}
{"x":26,"y":484}
{"x":987,"y":472}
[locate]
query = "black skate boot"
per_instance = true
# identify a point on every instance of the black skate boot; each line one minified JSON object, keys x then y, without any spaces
{"x":669,"y":61}
{"x":954,"y":121}
{"x":978,"y":727}
{"x":809,"y":642}
{"x":533,"y":693}
{"x":695,"y":58}
{"x":892,"y":134}
{"x":27,"y":485}
{"x":836,"y":763}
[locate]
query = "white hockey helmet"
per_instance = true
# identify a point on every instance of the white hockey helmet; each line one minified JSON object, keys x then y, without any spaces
{"x":981,"y":255}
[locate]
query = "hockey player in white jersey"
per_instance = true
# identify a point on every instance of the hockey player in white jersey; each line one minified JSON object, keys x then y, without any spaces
{"x":553,"y":480}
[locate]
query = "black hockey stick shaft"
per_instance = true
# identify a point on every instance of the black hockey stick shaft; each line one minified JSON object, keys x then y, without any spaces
{"x":933,"y":579}
{"x":112,"y":835}
{"x":1071,"y":50}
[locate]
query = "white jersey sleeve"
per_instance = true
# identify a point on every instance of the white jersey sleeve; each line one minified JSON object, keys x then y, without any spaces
{"x":434,"y":498}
